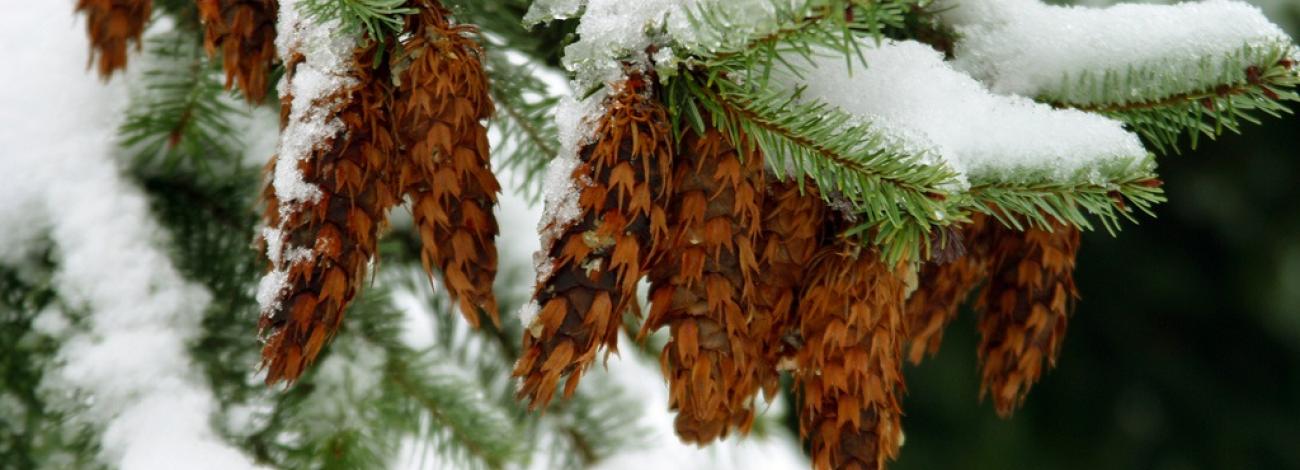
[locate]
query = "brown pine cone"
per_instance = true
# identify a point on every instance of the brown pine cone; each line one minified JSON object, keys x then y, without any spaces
{"x":942,"y":287}
{"x":439,"y":105}
{"x":244,"y":32}
{"x":323,"y":246}
{"x":1025,"y":307}
{"x":792,"y":233}
{"x":589,"y":276}
{"x":112,"y":24}
{"x":849,"y":366}
{"x":702,"y":286}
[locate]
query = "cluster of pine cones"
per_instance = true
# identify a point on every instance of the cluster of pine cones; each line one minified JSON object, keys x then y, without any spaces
{"x":752,"y":277}
{"x":747,"y":270}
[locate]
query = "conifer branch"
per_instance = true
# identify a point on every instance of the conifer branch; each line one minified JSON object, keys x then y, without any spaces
{"x":898,"y":198}
{"x":1043,"y":205}
{"x":797,"y":25}
{"x":376,"y":18}
{"x":1166,"y":101}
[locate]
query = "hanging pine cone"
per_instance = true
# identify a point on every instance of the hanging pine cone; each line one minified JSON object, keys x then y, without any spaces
{"x":112,"y":24}
{"x":792,"y":232}
{"x":849,"y":366}
{"x":323,"y":246}
{"x":439,"y":104}
{"x":942,"y":287}
{"x":703,"y":284}
{"x":1025,"y":307}
{"x":244,"y":32}
{"x":592,"y":267}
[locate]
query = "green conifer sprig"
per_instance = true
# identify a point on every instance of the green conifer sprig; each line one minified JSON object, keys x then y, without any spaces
{"x":182,"y":116}
{"x":799,"y":26}
{"x":1170,"y":100}
{"x":1075,"y":203}
{"x":378,"y":19}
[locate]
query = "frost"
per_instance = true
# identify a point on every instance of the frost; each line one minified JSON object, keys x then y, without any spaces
{"x":128,"y":361}
{"x":1029,"y":48}
{"x":909,"y":92}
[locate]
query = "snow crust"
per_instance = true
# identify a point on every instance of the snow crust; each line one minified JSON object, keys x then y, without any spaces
{"x":909,"y":92}
{"x":128,"y":364}
{"x":1029,"y":48}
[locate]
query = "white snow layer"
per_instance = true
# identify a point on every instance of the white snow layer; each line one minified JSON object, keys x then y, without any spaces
{"x":325,"y":70}
{"x":130,"y":361}
{"x":1030,"y":48}
{"x":908,"y":91}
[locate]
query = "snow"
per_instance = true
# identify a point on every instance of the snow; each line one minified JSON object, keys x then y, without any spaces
{"x":325,"y":70}
{"x":576,"y":121}
{"x":613,"y":33}
{"x":1033,"y":49}
{"x":912,"y":95}
{"x":129,"y":360}
{"x":542,"y":11}
{"x":315,"y":87}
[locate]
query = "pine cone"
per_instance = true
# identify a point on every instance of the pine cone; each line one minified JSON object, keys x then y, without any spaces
{"x":440,"y":102}
{"x":591,"y":269}
{"x":244,"y":31}
{"x":324,"y":246}
{"x":942,"y":287}
{"x":1025,"y":307}
{"x":792,"y":231}
{"x":702,"y":286}
{"x":111,"y":24}
{"x":849,"y":365}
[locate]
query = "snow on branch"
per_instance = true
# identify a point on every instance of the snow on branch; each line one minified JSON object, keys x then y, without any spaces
{"x":1080,"y":54}
{"x":1166,"y":70}
{"x":1011,"y":157}
{"x":663,"y":32}
{"x":908,"y":89}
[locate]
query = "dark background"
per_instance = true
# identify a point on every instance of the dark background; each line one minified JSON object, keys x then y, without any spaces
{"x":1184,"y":352}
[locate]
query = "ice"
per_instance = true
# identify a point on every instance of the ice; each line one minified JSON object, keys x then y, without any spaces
{"x":1033,"y":49}
{"x":912,"y":94}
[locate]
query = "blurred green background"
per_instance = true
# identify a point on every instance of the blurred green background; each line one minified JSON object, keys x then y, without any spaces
{"x":1184,"y":352}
